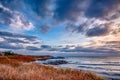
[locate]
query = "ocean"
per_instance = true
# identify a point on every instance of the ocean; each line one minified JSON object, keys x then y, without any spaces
{"x":108,"y":67}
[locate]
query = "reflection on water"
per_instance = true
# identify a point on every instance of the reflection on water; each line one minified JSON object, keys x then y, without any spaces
{"x":105,"y":66}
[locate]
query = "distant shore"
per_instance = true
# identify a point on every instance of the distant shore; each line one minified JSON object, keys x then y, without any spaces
{"x":19,"y":67}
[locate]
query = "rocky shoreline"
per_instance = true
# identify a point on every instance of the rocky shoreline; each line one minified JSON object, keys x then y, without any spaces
{"x":21,"y":67}
{"x":53,"y":60}
{"x":48,"y":60}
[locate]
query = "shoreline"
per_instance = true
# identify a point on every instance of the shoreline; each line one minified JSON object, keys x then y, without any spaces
{"x":16,"y":67}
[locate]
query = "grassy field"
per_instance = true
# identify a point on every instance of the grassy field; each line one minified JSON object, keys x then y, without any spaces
{"x":20,"y":68}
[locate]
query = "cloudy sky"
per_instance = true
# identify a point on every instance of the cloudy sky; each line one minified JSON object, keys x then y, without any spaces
{"x":60,"y":26}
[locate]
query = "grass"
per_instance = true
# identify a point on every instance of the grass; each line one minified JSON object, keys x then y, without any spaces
{"x":27,"y":58}
{"x":16,"y":68}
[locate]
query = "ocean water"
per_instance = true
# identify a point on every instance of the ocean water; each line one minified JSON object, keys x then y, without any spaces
{"x":108,"y":67}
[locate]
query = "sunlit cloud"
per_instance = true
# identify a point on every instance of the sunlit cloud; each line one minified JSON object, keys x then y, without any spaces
{"x":82,"y":24}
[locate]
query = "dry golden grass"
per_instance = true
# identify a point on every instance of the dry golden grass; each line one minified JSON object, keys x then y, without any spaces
{"x":26,"y":58}
{"x":13,"y":69}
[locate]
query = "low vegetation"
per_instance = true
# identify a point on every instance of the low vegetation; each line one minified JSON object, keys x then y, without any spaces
{"x":19,"y":67}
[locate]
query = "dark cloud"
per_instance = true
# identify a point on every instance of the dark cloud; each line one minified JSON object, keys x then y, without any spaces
{"x":97,"y":31}
{"x":48,"y":48}
{"x":33,"y":48}
{"x":101,"y":8}
{"x":44,"y":29}
{"x":69,"y":9}
{"x":5,"y":16}
{"x":40,"y":7}
{"x":73,"y":9}
{"x":41,"y":48}
{"x":45,"y":46}
{"x":78,"y":29}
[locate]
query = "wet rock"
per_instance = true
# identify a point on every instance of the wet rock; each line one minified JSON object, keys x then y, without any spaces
{"x":56,"y":62}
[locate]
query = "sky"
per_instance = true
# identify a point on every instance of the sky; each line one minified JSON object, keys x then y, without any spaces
{"x":60,"y":26}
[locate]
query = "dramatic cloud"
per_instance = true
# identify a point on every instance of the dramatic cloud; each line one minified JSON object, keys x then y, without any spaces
{"x":40,"y":7}
{"x":81,"y":13}
{"x":17,"y":41}
{"x":69,"y":9}
{"x":86,"y":14}
{"x":94,"y":23}
{"x":97,"y":31}
{"x":102,"y":8}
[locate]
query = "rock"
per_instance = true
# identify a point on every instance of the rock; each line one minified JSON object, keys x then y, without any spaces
{"x":0,"y":54}
{"x":56,"y":62}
